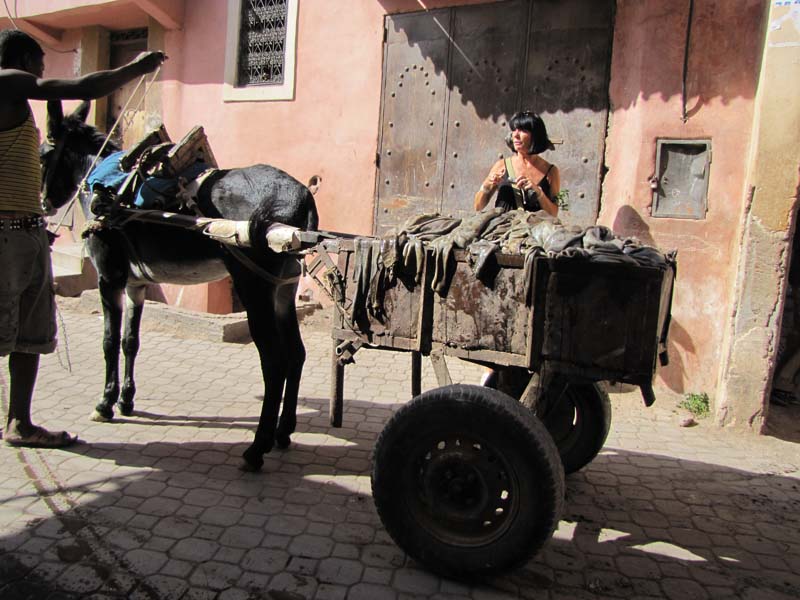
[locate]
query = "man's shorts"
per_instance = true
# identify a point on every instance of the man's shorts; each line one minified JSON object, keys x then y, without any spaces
{"x":27,"y":301}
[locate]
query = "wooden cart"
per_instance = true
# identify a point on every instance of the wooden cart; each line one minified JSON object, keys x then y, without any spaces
{"x":469,"y":480}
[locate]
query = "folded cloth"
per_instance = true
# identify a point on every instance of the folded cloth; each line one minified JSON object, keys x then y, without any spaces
{"x":107,"y":173}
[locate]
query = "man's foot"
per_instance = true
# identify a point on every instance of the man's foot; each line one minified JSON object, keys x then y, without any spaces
{"x":38,"y":437}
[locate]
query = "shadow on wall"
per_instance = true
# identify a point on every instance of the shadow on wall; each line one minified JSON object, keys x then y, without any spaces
{"x":628,"y":222}
{"x":725,"y":43}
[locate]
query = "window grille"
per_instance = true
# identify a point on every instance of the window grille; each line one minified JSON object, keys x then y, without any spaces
{"x":262,"y":42}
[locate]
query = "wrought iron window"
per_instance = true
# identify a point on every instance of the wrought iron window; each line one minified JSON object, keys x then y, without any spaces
{"x":262,"y":42}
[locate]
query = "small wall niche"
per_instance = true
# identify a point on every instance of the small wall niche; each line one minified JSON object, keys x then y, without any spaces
{"x":682,"y":170}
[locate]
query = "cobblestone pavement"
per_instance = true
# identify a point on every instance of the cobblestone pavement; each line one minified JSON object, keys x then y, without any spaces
{"x":153,"y":506}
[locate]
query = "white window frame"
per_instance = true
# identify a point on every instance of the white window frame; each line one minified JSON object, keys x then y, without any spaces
{"x":259,"y":93}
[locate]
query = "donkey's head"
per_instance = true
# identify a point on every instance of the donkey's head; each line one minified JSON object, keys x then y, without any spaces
{"x":67,"y":154}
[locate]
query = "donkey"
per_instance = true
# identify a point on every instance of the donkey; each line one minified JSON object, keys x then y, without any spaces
{"x":131,"y":256}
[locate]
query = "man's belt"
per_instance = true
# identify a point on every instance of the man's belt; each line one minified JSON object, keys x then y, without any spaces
{"x":21,"y":223}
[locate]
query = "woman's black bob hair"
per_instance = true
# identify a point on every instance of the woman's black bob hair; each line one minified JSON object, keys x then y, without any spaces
{"x":532,"y":123}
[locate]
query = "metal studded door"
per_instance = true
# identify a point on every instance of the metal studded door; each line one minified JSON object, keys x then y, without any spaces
{"x":484,"y":84}
{"x":566,"y":81}
{"x":452,"y":78}
{"x":410,"y":160}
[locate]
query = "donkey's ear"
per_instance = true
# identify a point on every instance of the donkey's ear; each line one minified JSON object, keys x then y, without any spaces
{"x":55,"y":118}
{"x":82,"y":111}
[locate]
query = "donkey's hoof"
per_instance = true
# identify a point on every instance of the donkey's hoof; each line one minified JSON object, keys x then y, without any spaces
{"x":246,"y":467}
{"x":101,"y":416}
{"x":126,"y":408}
{"x":282,"y":442}
{"x":253,"y":461}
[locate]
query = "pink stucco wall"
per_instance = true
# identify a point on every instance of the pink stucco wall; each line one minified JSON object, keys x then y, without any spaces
{"x":645,"y":97}
{"x":330,"y":129}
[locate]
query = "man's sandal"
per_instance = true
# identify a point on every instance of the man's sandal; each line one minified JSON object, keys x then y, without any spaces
{"x":40,"y":438}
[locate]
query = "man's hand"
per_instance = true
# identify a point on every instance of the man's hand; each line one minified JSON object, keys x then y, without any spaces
{"x":148,"y":62}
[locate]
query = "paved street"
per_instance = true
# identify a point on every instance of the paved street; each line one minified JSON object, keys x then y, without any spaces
{"x":153,"y":507}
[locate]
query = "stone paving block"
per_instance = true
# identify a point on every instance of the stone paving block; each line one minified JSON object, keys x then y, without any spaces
{"x":286,"y":525}
{"x":229,"y":555}
{"x":159,"y":543}
{"x":209,"y":532}
{"x":268,"y":561}
{"x":203,"y":497}
{"x":146,"y":562}
{"x":158,"y":507}
{"x":194,"y":549}
{"x":81,"y":579}
{"x":415,"y":581}
{"x":234,"y":594}
{"x":304,"y":587}
{"x":371,"y":591}
{"x":340,"y":571}
{"x":327,"y":591}
{"x":311,"y":546}
{"x":241,"y":537}
{"x":683,"y":589}
{"x":215,"y":575}
{"x":177,"y":568}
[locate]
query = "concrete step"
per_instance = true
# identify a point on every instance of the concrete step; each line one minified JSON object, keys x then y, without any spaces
{"x":68,"y":258}
{"x":72,"y":272}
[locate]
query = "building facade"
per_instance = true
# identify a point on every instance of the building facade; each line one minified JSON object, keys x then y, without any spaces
{"x":674,"y":122}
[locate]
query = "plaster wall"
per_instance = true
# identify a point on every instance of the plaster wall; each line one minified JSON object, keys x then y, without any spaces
{"x":773,"y":182}
{"x":646,"y":104}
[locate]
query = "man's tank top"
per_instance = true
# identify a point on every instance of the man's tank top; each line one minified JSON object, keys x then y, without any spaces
{"x":20,"y":172}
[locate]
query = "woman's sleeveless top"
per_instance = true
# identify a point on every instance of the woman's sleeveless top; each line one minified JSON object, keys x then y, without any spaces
{"x":20,"y":171}
{"x":510,"y":197}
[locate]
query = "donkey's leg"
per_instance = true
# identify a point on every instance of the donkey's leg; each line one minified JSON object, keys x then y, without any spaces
{"x":258,"y":298}
{"x":111,"y":300}
{"x":134,"y":305}
{"x":295,"y":351}
{"x":273,"y":369}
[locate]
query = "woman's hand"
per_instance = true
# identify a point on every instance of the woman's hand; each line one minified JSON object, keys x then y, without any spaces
{"x":526,"y":184}
{"x":494,"y":178}
{"x":489,"y":184}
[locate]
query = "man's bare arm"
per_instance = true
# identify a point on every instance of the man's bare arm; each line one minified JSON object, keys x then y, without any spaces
{"x":20,"y":85}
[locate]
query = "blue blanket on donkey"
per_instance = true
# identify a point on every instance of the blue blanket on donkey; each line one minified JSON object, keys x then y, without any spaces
{"x":155,"y":192}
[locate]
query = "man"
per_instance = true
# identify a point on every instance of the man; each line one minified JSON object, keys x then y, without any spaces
{"x":27,"y":305}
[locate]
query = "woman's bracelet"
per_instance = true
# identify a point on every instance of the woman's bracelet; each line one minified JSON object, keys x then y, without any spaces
{"x":485,"y":189}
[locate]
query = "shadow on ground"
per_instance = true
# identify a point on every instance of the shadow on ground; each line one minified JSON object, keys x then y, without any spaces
{"x":161,"y":520}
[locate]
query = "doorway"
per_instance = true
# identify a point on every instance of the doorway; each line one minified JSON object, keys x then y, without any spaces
{"x":783,"y":413}
{"x":124,"y":46}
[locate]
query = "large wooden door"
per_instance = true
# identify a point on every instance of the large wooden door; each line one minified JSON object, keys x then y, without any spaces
{"x":453,"y":77}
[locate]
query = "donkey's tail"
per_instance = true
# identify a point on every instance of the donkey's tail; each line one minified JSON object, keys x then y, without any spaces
{"x":312,"y":220}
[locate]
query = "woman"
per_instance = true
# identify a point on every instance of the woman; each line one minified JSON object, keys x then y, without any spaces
{"x":525,"y":180}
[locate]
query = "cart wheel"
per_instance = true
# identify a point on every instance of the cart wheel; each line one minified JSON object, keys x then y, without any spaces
{"x":467,"y":481}
{"x":579,"y":424}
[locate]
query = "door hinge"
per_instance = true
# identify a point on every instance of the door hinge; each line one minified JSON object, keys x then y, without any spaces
{"x":378,"y":159}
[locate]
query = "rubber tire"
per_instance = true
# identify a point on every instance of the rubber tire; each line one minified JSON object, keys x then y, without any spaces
{"x":501,"y":434}
{"x":579,"y":423}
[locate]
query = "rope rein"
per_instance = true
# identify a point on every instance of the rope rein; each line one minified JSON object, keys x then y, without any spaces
{"x":71,"y":204}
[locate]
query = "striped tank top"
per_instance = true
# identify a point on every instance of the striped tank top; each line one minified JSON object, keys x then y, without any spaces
{"x":20,"y":173}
